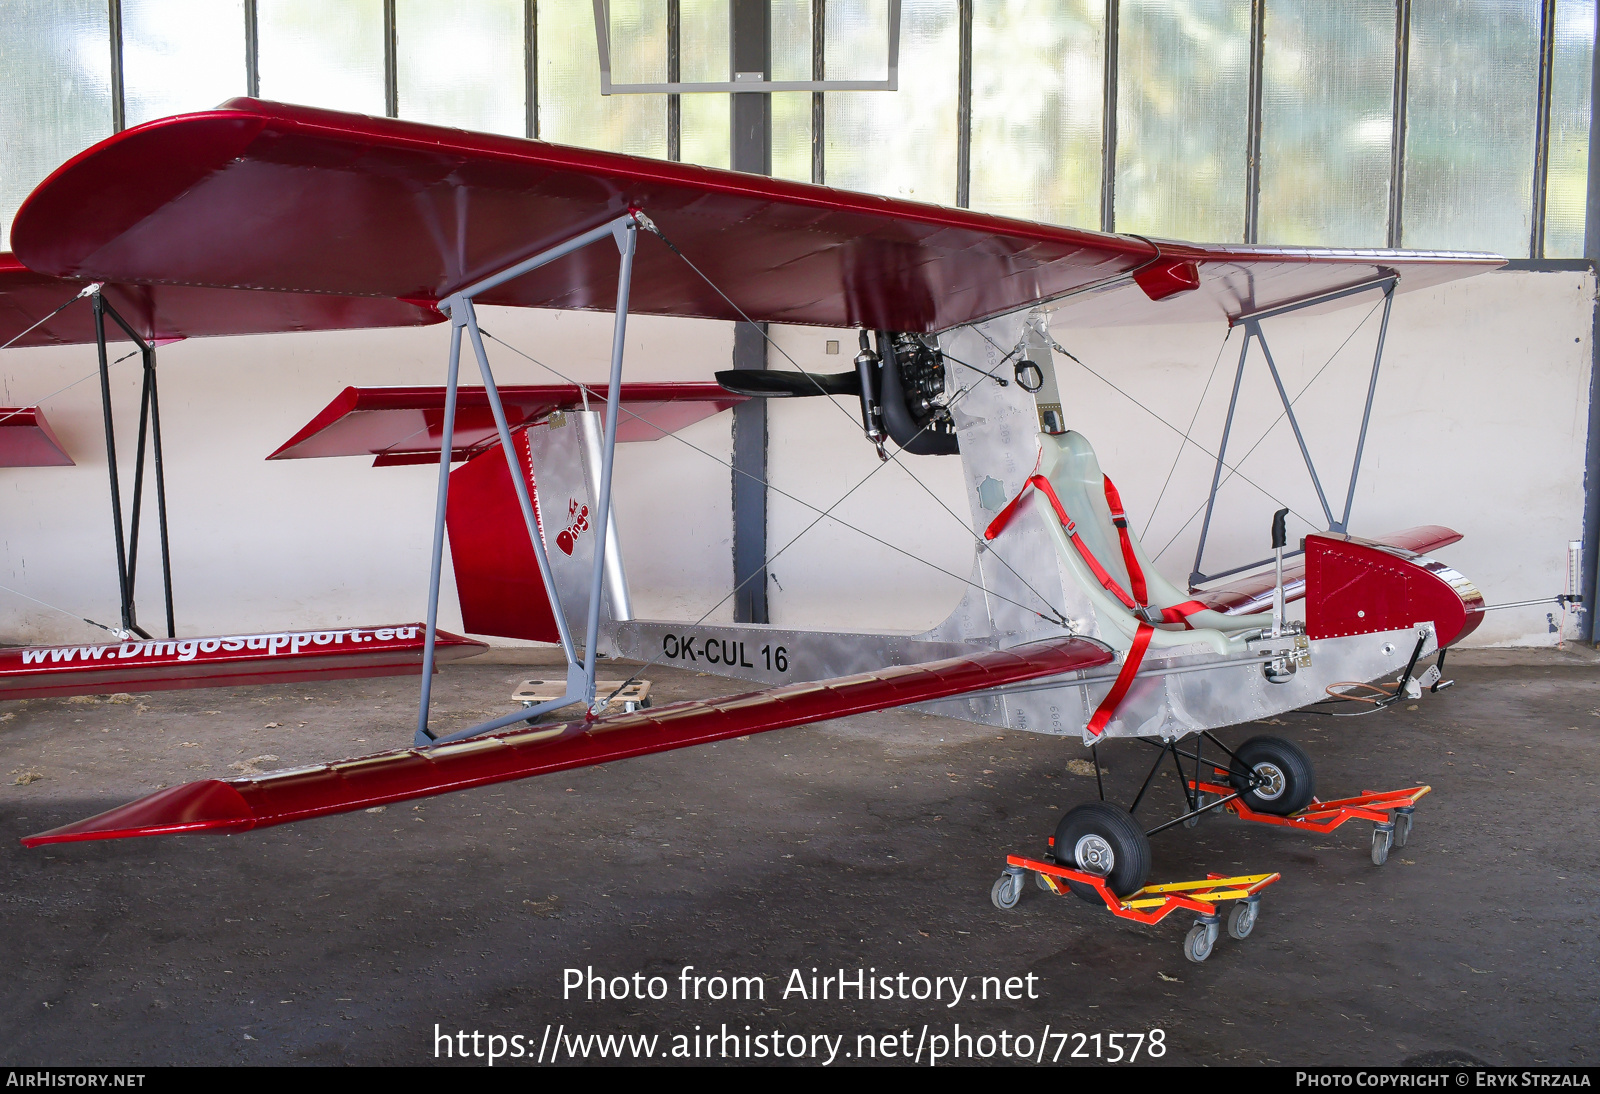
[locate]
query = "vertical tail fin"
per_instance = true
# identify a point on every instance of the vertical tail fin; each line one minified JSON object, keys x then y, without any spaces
{"x":497,"y":573}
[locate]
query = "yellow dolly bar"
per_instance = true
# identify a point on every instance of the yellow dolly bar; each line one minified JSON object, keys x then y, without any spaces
{"x":1151,"y":904}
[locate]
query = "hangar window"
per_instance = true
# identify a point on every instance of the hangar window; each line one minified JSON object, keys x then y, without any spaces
{"x":1414,"y":123}
{"x":1473,"y":103}
{"x":1038,"y":104}
{"x":900,"y":143}
{"x":792,"y":59}
{"x":1183,"y":85}
{"x":571,"y":109}
{"x":180,"y":55}
{"x":1327,"y":123}
{"x":1567,"y":184}
{"x":461,"y":64}
{"x":321,"y":54}
{"x":55,"y":92}
{"x":701,"y":45}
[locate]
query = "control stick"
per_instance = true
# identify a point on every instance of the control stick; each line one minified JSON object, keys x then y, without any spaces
{"x":1280,"y":539}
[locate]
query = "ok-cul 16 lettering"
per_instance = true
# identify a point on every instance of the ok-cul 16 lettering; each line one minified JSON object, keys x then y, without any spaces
{"x":723,"y":651}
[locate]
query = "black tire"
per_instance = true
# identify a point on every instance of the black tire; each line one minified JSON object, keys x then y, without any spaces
{"x":1119,"y":835}
{"x":1294,"y":783}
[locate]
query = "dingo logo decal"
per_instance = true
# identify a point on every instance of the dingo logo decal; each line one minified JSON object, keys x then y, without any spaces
{"x":577,"y":524}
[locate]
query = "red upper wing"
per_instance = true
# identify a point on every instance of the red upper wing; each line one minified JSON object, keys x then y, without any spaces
{"x":267,"y":196}
{"x":163,"y":312}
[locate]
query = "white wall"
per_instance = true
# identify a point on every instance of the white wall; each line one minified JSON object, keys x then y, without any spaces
{"x":327,"y":542}
{"x":1479,"y":424}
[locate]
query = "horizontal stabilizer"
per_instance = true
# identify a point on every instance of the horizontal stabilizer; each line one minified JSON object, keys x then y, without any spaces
{"x":404,"y":425}
{"x":766,"y":383}
{"x":237,"y":805}
{"x":26,"y":440}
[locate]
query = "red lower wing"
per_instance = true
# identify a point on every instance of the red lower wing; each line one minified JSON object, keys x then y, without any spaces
{"x":237,"y":805}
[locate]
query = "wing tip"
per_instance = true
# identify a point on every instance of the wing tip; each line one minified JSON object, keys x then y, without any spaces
{"x":210,"y":804}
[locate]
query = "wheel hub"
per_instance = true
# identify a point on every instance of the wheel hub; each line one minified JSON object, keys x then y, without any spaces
{"x":1270,"y":781}
{"x":1094,"y":856}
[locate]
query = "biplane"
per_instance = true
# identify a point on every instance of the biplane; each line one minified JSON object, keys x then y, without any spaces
{"x":1066,"y":629}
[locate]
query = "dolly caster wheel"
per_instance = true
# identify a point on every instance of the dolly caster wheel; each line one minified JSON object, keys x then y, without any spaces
{"x":1242,"y":919}
{"x":1007,"y":890}
{"x":1382,"y":838}
{"x":1199,"y":941}
{"x":1402,"y":827}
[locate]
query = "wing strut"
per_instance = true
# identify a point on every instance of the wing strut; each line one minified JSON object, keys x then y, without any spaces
{"x":149,"y":431}
{"x":622,"y":230}
{"x":1252,"y":331}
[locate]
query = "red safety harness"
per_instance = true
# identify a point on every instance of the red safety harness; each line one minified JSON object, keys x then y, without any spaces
{"x":1137,"y":602}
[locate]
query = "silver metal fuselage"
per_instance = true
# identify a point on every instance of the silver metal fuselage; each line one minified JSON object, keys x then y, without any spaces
{"x":1178,"y":690}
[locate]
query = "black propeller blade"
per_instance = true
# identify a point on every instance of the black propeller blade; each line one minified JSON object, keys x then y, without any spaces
{"x":761,"y":383}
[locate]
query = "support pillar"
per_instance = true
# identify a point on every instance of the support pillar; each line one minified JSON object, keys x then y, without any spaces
{"x":751,"y":151}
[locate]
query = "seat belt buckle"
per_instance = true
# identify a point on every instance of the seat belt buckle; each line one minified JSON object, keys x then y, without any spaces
{"x":1150,"y":614}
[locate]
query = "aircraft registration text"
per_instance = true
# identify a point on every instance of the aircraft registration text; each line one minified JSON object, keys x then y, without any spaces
{"x":694,"y":649}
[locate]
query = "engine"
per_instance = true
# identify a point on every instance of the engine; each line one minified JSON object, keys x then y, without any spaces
{"x":903,"y":396}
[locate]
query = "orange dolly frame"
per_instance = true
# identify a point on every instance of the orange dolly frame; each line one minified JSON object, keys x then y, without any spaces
{"x":1389,"y":811}
{"x":1151,"y":904}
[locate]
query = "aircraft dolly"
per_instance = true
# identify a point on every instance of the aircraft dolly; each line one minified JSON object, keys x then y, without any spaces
{"x":1389,"y":811}
{"x":1151,"y":904}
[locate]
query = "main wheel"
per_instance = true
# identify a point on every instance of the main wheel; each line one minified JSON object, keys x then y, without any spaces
{"x":1101,"y":839}
{"x":1284,"y":783}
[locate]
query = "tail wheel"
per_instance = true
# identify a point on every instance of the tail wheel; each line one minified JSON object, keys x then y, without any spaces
{"x":1272,"y":775}
{"x":1101,"y":839}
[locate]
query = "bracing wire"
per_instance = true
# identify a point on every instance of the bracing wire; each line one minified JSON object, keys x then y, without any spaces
{"x":1231,"y":467}
{"x":1187,"y":433}
{"x":75,"y":383}
{"x":962,"y":523}
{"x":63,"y":611}
{"x":654,"y":660}
{"x":17,"y":338}
{"x":40,"y":402}
{"x":1282,"y":414}
{"x":770,"y":559}
{"x":779,"y":490}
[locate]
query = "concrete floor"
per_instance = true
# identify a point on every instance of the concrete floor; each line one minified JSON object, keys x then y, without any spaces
{"x":869,"y":842}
